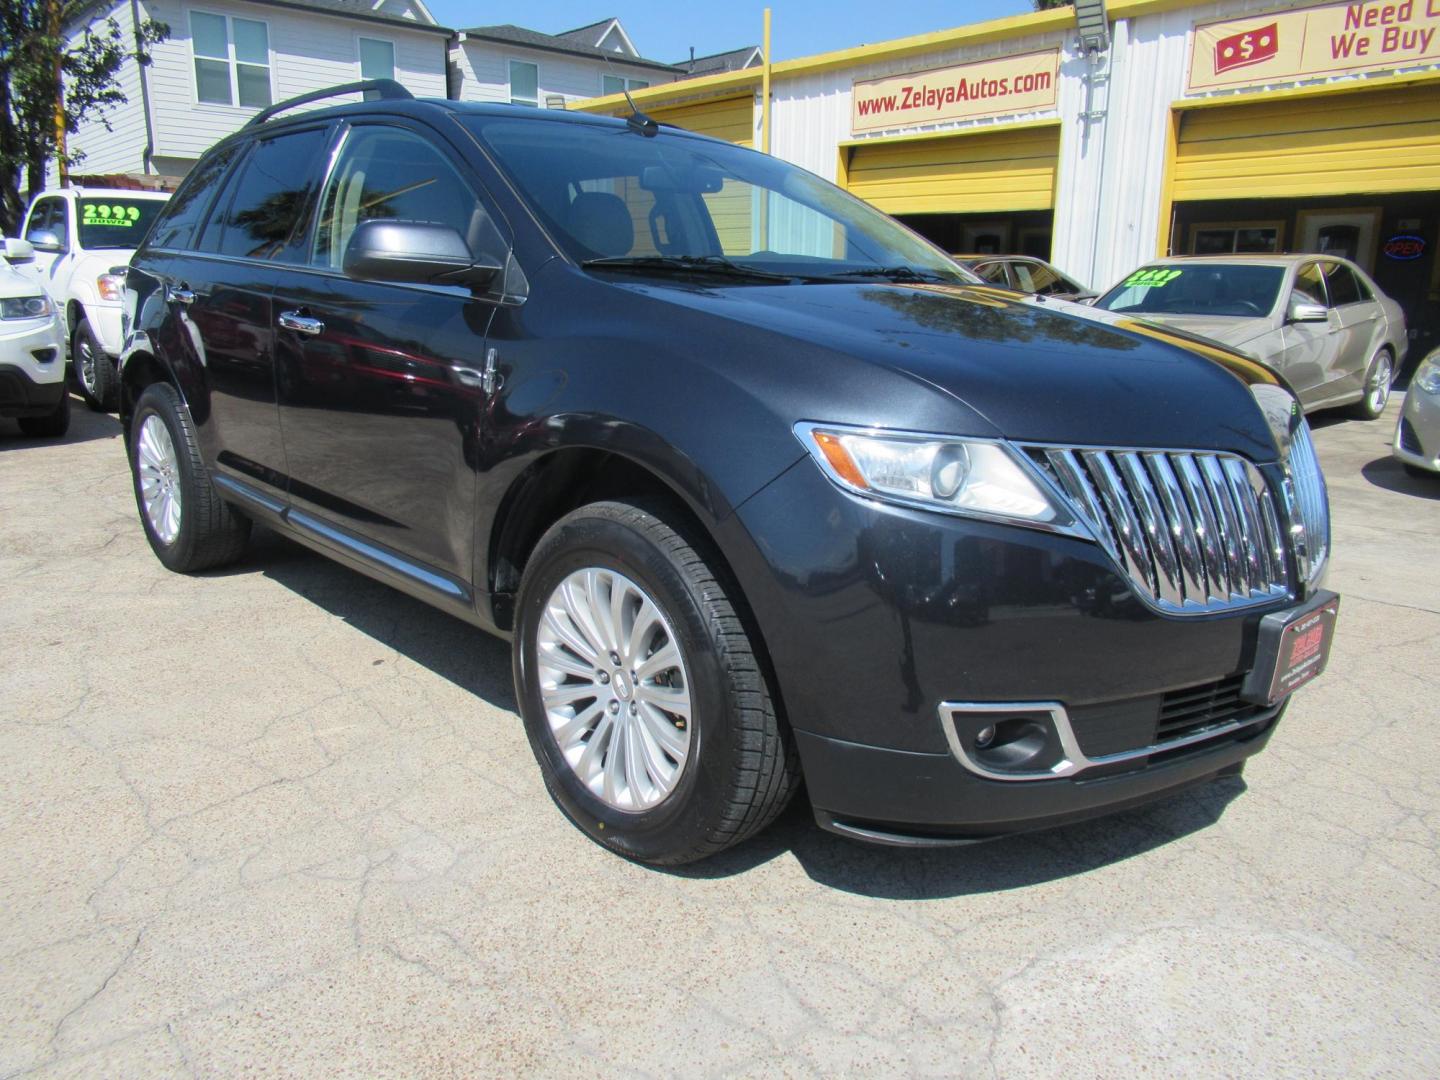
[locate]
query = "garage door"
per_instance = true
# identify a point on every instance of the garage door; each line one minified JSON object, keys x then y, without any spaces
{"x":967,"y":174}
{"x":1330,"y":144}
{"x":732,"y":119}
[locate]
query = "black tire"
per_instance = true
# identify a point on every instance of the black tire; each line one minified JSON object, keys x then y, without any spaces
{"x":94,"y":370}
{"x":52,"y":425}
{"x":1366,"y":408}
{"x":741,"y":768}
{"x":211,"y":532}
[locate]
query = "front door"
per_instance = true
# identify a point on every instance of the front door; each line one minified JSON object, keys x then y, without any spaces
{"x":1309,"y":347}
{"x":51,"y":267}
{"x":380,"y":383}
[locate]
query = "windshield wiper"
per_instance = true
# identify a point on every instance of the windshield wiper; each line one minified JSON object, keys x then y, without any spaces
{"x":688,"y":264}
{"x":893,"y":273}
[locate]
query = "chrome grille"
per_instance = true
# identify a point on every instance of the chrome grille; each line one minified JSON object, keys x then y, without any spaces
{"x":1194,"y":532}
{"x":1310,"y":507}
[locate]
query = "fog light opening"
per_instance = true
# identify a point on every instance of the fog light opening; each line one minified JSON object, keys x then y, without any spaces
{"x":1016,"y":744}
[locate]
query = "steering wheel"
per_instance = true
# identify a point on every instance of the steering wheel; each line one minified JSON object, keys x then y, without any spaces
{"x":1249,"y":305}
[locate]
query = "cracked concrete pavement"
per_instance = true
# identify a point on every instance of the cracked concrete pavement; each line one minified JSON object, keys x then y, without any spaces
{"x":284,"y":821}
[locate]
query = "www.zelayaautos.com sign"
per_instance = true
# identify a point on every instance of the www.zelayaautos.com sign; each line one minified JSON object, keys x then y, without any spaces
{"x":1313,"y":41}
{"x":1011,"y":84}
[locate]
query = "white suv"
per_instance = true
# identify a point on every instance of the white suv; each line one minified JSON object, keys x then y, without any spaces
{"x":32,"y":349}
{"x":83,"y":240}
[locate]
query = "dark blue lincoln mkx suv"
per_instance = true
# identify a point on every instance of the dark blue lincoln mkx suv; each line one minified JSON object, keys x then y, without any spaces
{"x":761,"y":486}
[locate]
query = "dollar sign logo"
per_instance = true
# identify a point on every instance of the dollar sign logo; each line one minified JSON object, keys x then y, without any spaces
{"x":1246,"y":49}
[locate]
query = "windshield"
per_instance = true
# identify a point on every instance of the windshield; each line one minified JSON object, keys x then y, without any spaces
{"x":111,"y":221}
{"x":1220,"y":289}
{"x":695,"y":205}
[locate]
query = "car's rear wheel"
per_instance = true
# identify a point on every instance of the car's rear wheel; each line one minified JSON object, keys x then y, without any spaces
{"x":640,"y":689}
{"x":188,"y":525}
{"x":1378,"y":377}
{"x":50,"y":426}
{"x":94,"y":370}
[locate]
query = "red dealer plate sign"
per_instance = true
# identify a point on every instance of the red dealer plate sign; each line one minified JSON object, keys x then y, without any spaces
{"x":1011,"y":84}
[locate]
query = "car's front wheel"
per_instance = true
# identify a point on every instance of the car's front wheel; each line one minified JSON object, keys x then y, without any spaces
{"x":94,"y":370}
{"x":188,"y":525}
{"x":1378,"y":377}
{"x":641,"y":692}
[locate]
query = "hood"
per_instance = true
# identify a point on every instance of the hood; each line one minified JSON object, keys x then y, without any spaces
{"x":1228,"y":330}
{"x":1031,"y":369}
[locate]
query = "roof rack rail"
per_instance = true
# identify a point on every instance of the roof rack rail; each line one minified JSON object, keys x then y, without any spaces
{"x":384,"y":89}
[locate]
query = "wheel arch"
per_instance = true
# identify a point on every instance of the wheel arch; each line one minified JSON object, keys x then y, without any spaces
{"x":566,"y":478}
{"x":139,"y":369}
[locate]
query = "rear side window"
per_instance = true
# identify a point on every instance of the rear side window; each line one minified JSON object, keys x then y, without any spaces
{"x":271,"y":195}
{"x":1344,"y":289}
{"x":185,"y":210}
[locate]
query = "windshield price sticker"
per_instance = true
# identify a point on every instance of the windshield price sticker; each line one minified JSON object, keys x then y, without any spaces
{"x":112,"y":214}
{"x":1156,"y":277}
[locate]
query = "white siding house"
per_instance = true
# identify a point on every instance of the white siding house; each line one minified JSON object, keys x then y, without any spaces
{"x":226,"y":59}
{"x":510,"y":63}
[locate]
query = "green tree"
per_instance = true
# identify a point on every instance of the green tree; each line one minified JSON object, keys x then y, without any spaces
{"x":49,"y":83}
{"x":1046,"y":5}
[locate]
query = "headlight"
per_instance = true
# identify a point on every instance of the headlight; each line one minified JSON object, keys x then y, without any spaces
{"x":110,"y":286}
{"x":1427,"y":377}
{"x":975,"y":477}
{"x":25,"y":307}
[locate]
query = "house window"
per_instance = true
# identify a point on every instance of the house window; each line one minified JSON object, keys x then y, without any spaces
{"x":524,"y":83}
{"x":232,"y":60}
{"x":615,"y":84}
{"x":377,"y":59}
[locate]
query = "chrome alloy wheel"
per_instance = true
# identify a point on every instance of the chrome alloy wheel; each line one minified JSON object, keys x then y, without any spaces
{"x":86,"y":357}
{"x":1377,"y":390}
{"x":615,"y":688}
{"x":159,"y":478}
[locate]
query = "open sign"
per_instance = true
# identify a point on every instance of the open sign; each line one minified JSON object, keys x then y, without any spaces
{"x":1404,"y":248}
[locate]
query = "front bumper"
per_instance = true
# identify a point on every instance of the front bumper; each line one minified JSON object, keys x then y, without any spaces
{"x":1417,"y":434}
{"x":21,"y":395}
{"x":878,"y":620}
{"x":32,"y":367}
{"x":106,"y":321}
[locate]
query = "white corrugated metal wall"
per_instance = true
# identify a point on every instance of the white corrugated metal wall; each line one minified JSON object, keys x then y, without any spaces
{"x":1112,"y":164}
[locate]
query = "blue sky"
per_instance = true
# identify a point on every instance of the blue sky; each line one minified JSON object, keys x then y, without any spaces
{"x":665,"y":30}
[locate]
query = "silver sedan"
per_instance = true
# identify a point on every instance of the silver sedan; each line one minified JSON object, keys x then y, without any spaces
{"x":1319,"y":320}
{"x":1417,"y":435}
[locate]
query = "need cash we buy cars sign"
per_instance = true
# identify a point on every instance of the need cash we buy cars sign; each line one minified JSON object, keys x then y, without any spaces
{"x":1010,"y":84}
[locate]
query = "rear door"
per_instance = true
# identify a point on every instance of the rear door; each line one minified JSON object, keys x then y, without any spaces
{"x":381,"y":383}
{"x":1309,"y":347}
{"x":218,"y":298}
{"x":1356,"y":315}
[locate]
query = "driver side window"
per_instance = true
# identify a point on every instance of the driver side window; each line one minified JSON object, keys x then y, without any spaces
{"x":391,"y":174}
{"x":1309,"y":286}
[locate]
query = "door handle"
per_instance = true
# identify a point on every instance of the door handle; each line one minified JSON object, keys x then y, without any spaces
{"x":178,"y":294}
{"x":301,"y":324}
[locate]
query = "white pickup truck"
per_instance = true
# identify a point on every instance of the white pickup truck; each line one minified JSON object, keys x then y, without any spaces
{"x":83,"y":239}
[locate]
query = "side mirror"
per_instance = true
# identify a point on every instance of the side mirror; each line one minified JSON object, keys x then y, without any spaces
{"x":45,"y":240}
{"x":19,"y":250}
{"x":415,"y":253}
{"x":1304,"y":311}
